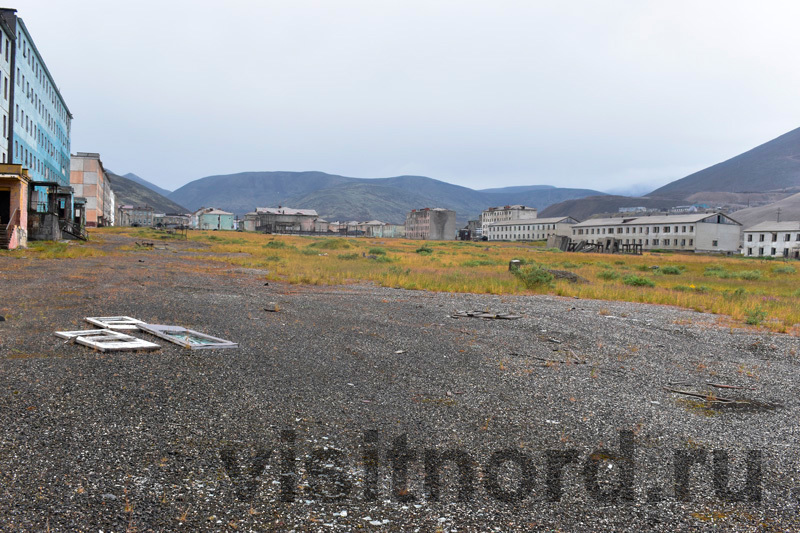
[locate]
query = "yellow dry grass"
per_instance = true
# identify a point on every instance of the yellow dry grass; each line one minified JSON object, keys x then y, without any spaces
{"x":758,"y":292}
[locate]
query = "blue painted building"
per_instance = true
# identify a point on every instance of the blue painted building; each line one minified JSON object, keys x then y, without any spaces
{"x":38,"y":121}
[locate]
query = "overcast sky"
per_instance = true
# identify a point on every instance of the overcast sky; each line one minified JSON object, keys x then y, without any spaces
{"x":479,"y":93}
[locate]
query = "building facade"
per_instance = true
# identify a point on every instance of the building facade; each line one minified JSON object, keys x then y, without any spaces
{"x":772,"y":239}
{"x":37,"y":119}
{"x":135,"y":215}
{"x":508,"y":213}
{"x":14,"y":182}
{"x":530,"y":230}
{"x":171,"y":220}
{"x":212,"y":218}
{"x":435,"y":224}
{"x":281,"y":220}
{"x":89,"y":180}
{"x":702,"y":232}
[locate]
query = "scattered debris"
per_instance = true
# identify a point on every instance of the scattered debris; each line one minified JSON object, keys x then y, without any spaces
{"x":400,"y":351}
{"x":514,"y":264}
{"x":721,"y":386}
{"x":119,"y":323}
{"x":145,"y":244}
{"x":107,"y":340}
{"x":2,"y":318}
{"x":707,"y":397}
{"x":187,"y":338}
{"x":272,"y":307}
{"x":485,"y":314}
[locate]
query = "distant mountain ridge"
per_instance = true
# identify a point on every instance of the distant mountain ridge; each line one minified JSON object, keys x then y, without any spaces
{"x":129,"y":192}
{"x":767,"y":172}
{"x":343,"y":198}
{"x":152,"y":186}
{"x":771,"y":166}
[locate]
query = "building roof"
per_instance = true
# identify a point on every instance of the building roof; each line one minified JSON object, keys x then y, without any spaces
{"x":215,"y":211}
{"x":286,"y":211}
{"x":551,"y":220}
{"x":790,"y":225}
{"x":657,"y":219}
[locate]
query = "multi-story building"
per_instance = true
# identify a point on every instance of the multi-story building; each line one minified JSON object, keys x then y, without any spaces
{"x":212,"y":218}
{"x":36,"y":128}
{"x":281,"y":220}
{"x":135,"y":215}
{"x":773,"y":239}
{"x":435,"y":224}
{"x":171,"y":220}
{"x":530,"y":230}
{"x":508,"y":213}
{"x":701,"y":232}
{"x":37,"y":121}
{"x":89,"y":180}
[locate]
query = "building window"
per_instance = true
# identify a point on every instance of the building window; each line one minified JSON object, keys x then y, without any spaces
{"x":787,"y":237}
{"x":773,"y":251}
{"x":691,"y":242}
{"x":749,"y":237}
{"x":714,"y":243}
{"x":761,"y":251}
{"x":774,"y":237}
{"x":761,"y":238}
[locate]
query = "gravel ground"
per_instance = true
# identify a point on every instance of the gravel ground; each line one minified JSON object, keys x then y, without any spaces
{"x":538,"y":414}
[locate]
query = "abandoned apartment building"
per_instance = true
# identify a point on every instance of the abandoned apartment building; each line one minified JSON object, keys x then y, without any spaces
{"x":534,"y":229}
{"x":284,"y":220}
{"x":89,"y":180}
{"x":773,"y":239}
{"x":508,"y":213}
{"x":436,"y":224}
{"x":211,"y":218}
{"x":701,"y":232}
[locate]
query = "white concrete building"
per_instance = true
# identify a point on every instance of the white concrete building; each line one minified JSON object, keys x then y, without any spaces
{"x":506,"y":213}
{"x":773,"y":239}
{"x":701,"y":232}
{"x":529,"y":230}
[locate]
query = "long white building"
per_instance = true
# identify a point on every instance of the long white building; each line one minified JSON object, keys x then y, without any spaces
{"x":773,"y":239}
{"x":529,"y":230}
{"x":701,"y":232}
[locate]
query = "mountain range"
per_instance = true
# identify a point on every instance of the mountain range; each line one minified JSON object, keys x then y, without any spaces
{"x":344,"y":198}
{"x":758,"y":177}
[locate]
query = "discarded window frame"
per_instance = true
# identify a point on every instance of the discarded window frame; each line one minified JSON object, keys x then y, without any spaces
{"x":107,"y":340}
{"x":120,"y":323}
{"x":187,"y":338}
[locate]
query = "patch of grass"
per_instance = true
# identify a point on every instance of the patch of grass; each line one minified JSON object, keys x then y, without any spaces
{"x":533,"y":276}
{"x":638,"y":281}
{"x":377,"y":251}
{"x":348,"y":257}
{"x":275,"y":244}
{"x":755,"y":316}
{"x":331,"y":244}
{"x":608,"y":275}
{"x":309,"y":251}
{"x":383,"y":259}
{"x":671,"y":270}
{"x":424,"y":250}
{"x":478,"y":262}
{"x":786,"y":269}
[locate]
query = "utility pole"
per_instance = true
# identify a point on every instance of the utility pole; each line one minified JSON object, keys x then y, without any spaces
{"x":779,"y":214}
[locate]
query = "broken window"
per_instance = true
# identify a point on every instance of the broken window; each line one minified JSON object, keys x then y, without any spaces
{"x":187,"y":338}
{"x":107,"y":340}
{"x":122,"y":323}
